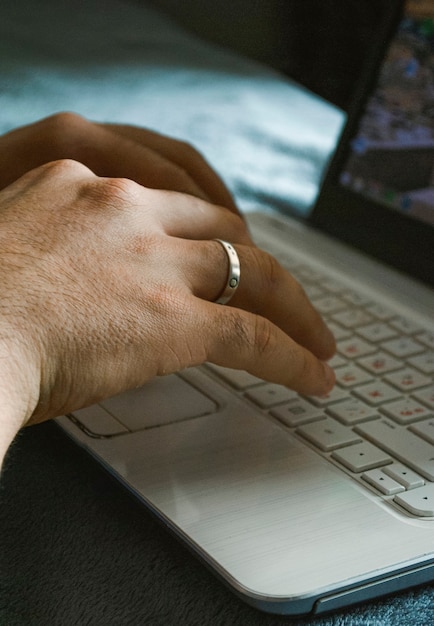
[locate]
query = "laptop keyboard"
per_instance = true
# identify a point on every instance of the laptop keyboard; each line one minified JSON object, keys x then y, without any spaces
{"x":376,"y":425}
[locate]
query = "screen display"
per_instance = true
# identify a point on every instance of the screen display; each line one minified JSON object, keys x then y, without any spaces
{"x":392,"y":155}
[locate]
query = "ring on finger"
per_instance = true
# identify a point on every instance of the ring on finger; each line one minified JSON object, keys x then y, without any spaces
{"x":234,"y":272}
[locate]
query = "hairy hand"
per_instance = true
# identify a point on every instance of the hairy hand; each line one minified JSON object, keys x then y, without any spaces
{"x":113,"y":150}
{"x":106,"y":283}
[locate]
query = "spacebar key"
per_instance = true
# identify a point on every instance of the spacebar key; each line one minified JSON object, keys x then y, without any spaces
{"x":402,"y":444}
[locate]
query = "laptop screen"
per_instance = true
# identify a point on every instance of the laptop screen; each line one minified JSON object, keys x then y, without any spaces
{"x":378,"y":194}
{"x":391,"y":157}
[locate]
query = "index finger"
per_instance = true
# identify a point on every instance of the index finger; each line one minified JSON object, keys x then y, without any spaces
{"x":242,"y":340}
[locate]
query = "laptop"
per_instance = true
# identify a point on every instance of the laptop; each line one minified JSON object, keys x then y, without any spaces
{"x":305,"y":505}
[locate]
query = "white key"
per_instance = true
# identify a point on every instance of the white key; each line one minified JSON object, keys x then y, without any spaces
{"x":377,"y":393}
{"x":405,"y":326}
{"x":355,"y":298}
{"x":427,"y":339}
{"x":352,"y":318}
{"x":380,"y":363}
{"x":355,"y":348}
{"x":313,"y":291}
{"x":332,"y":285}
{"x":426,"y":396}
{"x":423,"y":362}
{"x":425,"y":430}
{"x":376,"y":332}
{"x":239,"y":379}
{"x":419,"y":502}
{"x":402,"y":347}
{"x":352,"y":411}
{"x":406,"y":411}
{"x":380,"y":312}
{"x":339,"y":332}
{"x":270,"y":394}
{"x":351,"y":375}
{"x":329,"y":304}
{"x":378,"y":479}
{"x":401,"y":443}
{"x":405,"y":476}
{"x":328,"y":434}
{"x":337,"y":361}
{"x":297,"y":412}
{"x":335,"y":395}
{"x":361,"y":457}
{"x":408,"y":379}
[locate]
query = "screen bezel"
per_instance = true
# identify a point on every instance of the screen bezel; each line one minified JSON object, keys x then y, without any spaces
{"x":405,"y":243}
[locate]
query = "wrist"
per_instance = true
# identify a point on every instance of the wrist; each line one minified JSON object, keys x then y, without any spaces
{"x":18,"y":395}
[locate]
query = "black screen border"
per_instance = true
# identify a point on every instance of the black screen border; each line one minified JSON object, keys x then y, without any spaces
{"x":403,"y":242}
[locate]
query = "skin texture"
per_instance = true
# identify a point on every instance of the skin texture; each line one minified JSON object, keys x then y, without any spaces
{"x":108,"y":273}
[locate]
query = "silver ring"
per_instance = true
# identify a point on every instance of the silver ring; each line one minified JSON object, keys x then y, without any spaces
{"x":233,"y":277}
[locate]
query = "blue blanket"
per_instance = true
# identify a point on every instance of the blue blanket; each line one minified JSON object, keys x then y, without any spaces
{"x":119,"y":62}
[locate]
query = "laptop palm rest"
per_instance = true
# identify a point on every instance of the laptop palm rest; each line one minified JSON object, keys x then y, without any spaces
{"x":275,"y":521}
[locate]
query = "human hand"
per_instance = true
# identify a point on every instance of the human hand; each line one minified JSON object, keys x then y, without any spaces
{"x":106,"y":284}
{"x":150,"y":159}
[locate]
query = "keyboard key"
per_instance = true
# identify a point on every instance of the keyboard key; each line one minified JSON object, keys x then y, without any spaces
{"x":408,"y":379}
{"x":378,"y":479}
{"x":400,"y":443}
{"x":313,"y":291}
{"x":419,"y":502}
{"x":380,"y":363}
{"x":328,"y":434}
{"x":351,"y":375}
{"x":339,"y":333}
{"x":361,"y":457}
{"x":352,"y":411}
{"x":406,"y":411}
{"x":426,"y":396}
{"x":425,"y":430}
{"x":335,"y":395}
{"x":329,"y":304}
{"x":337,"y":361}
{"x":423,"y":362}
{"x":355,"y":298}
{"x":239,"y":379}
{"x":405,"y":476}
{"x":427,"y":339}
{"x":405,"y":326}
{"x":380,"y":312}
{"x":355,"y":348}
{"x":297,"y":412}
{"x":376,"y":332}
{"x":352,"y":318}
{"x":377,"y":393}
{"x":402,"y":347}
{"x":270,"y":394}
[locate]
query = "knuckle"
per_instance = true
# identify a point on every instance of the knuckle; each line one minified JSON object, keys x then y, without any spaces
{"x":64,"y":130}
{"x":113,"y":193}
{"x":63,"y":168}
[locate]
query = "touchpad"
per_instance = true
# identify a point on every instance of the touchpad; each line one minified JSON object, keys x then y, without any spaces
{"x":161,"y":401}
